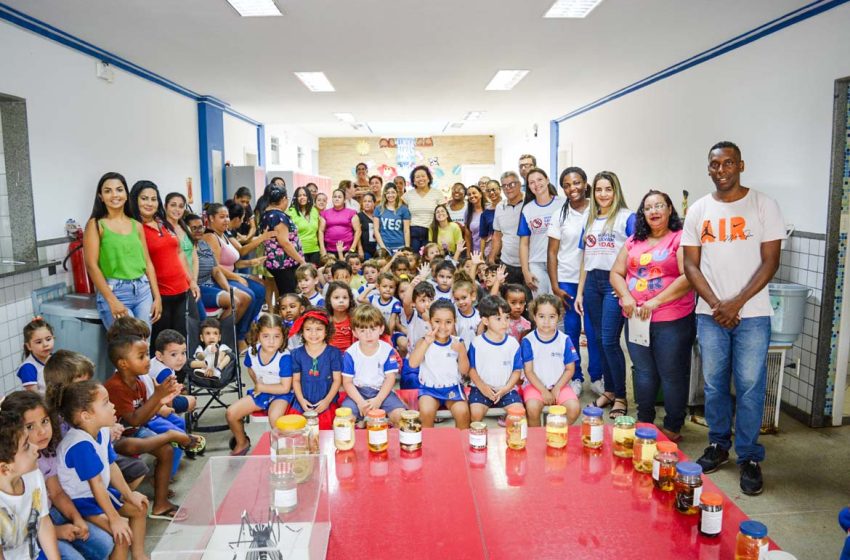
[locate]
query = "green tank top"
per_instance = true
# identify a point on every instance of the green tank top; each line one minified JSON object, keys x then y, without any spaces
{"x":187,"y":247}
{"x":121,"y":256}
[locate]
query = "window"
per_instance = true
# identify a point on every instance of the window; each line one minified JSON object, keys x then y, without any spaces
{"x":300,"y":156}
{"x":275,"y":150}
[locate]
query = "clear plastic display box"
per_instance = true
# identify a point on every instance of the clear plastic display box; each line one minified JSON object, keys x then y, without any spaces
{"x":252,"y":507}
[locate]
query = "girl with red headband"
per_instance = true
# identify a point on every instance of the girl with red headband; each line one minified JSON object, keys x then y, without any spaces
{"x":316,"y":367}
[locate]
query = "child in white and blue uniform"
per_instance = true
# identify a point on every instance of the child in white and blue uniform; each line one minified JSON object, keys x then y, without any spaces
{"x":495,"y":361}
{"x":442,"y":362}
{"x":38,"y":346}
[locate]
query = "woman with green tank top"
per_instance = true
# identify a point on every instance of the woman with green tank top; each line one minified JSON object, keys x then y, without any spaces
{"x":117,"y":257}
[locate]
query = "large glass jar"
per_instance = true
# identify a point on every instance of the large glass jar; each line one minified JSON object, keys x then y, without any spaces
{"x":343,"y":429}
{"x":644,"y":449}
{"x":516,"y":427}
{"x":688,"y":487}
{"x":751,"y":543}
{"x":377,"y":427}
{"x":664,"y":465}
{"x":289,"y":437}
{"x":624,"y":436}
{"x":557,"y":427}
{"x":410,"y":431}
{"x":312,"y":430}
{"x":592,"y":427}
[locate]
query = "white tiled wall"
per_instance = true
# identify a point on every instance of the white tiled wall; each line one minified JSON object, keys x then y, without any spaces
{"x":802,"y":262}
{"x":16,"y":310}
{"x":5,"y":222}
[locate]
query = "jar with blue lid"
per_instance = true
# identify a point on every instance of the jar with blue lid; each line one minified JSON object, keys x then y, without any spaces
{"x":751,"y":543}
{"x":643,"y":449}
{"x":688,"y":487}
{"x":592,"y":427}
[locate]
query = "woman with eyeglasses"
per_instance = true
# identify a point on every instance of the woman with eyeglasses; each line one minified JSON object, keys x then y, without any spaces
{"x":609,"y":224}
{"x":650,"y":281}
{"x":174,"y":278}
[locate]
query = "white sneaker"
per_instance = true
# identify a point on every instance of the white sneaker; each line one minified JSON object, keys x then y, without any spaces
{"x":598,"y":386}
{"x":575,"y":385}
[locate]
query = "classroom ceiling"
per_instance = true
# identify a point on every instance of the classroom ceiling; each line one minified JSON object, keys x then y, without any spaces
{"x":396,"y":63}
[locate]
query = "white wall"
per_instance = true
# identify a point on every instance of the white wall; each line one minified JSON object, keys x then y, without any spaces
{"x":240,"y":138}
{"x":773,"y":98}
{"x":515,"y":141}
{"x":81,"y":127}
{"x":291,"y":137}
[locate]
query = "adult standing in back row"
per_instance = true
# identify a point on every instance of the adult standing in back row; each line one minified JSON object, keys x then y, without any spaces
{"x":731,"y":243}
{"x":421,"y":201}
{"x":506,"y":226}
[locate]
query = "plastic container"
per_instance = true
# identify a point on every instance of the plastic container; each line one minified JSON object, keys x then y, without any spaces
{"x":592,"y":427}
{"x":343,"y":429}
{"x":557,"y":427}
{"x":711,"y":514}
{"x":312,"y":430}
{"x":751,"y":543}
{"x":688,"y":487}
{"x":789,"y":309}
{"x":378,"y":429}
{"x":624,"y":436}
{"x":516,"y":427}
{"x":284,"y":489}
{"x":478,"y":435}
{"x":664,"y":465}
{"x":644,"y":449}
{"x":410,"y":431}
{"x":76,"y":324}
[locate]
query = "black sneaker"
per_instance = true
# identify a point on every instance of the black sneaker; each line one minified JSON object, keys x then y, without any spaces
{"x":712,"y":458}
{"x":751,"y":481}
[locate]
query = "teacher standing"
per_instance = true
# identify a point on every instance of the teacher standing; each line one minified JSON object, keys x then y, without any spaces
{"x":421,"y":201}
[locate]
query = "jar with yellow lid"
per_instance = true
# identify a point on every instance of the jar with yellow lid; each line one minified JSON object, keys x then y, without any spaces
{"x":377,"y":427}
{"x":644,"y":449}
{"x":516,"y":427}
{"x":624,"y":436}
{"x":289,"y":444}
{"x":344,"y":429}
{"x":410,"y":431}
{"x":557,"y":426}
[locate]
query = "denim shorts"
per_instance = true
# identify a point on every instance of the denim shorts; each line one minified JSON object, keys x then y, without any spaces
{"x":477,"y":397}
{"x":134,"y":294}
{"x":392,"y":402}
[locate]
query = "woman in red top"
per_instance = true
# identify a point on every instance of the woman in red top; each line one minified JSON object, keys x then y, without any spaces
{"x":175,"y":281}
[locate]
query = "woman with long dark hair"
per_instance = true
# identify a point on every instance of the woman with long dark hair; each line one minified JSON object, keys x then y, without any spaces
{"x":541,"y":200}
{"x":443,"y":231}
{"x":172,"y":273}
{"x":649,"y":277}
{"x":368,"y":242}
{"x":117,"y":257}
{"x":473,"y":218}
{"x":392,"y":221}
{"x":307,"y":221}
{"x":283,"y":249}
{"x":422,"y":200}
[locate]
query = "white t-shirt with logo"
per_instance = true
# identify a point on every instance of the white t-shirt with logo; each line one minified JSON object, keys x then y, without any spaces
{"x":495,"y":361}
{"x":568,"y":230}
{"x":730,"y":235}
{"x":602,"y":243}
{"x":534,"y":222}
{"x":369,"y":371}
{"x":506,"y":221}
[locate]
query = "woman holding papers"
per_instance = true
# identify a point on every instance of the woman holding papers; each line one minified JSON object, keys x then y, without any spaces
{"x":656,"y":298}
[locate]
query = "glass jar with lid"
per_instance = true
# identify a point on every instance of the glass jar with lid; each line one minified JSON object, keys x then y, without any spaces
{"x":312,"y":430}
{"x":711,"y":514}
{"x":644,"y":449}
{"x":556,"y":427}
{"x":478,"y":436}
{"x":289,"y":437}
{"x":516,"y":426}
{"x":344,"y":429}
{"x":751,"y":543}
{"x":377,"y":427}
{"x":664,"y":465}
{"x":688,"y":487}
{"x":624,"y":436}
{"x":592,"y":427}
{"x":410,"y":431}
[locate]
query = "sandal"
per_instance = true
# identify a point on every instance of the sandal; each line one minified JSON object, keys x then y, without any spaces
{"x":171,"y":514}
{"x":196,"y":444}
{"x":675,"y":437}
{"x":617,"y":411}
{"x":243,"y":452}
{"x":604,"y":401}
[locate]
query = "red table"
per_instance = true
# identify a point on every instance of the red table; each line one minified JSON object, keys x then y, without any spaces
{"x":452,"y":502}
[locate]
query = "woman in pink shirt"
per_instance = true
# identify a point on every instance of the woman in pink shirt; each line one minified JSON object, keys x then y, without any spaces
{"x":648,"y":277}
{"x":340,"y":224}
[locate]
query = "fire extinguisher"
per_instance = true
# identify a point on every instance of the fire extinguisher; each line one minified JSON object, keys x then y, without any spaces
{"x":82,"y":283}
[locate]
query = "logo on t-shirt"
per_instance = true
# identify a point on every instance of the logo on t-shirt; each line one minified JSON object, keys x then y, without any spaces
{"x":728,"y":230}
{"x":590,"y":241}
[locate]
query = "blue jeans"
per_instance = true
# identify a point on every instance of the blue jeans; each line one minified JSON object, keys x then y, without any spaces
{"x":418,"y":237}
{"x":98,"y":546}
{"x":572,"y":326}
{"x":666,"y":361}
{"x":606,"y":320}
{"x":736,"y":355}
{"x":258,"y":299}
{"x":134,"y":294}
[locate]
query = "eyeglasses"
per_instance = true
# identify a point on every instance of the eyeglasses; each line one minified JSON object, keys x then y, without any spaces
{"x":196,"y":228}
{"x":511,"y":185}
{"x":660,"y":206}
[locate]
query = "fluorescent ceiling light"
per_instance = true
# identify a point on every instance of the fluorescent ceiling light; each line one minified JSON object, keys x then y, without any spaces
{"x":505,"y":80}
{"x":345,"y":117}
{"x":255,"y":8}
{"x":571,"y":8}
{"x":473,"y":115}
{"x":315,"y":81}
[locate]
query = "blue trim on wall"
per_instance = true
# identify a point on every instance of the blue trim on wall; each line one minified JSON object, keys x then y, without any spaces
{"x":210,"y":137}
{"x":261,"y":146}
{"x":554,"y":144}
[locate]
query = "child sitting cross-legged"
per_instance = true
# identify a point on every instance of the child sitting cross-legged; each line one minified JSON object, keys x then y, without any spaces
{"x":26,"y":531}
{"x":495,"y":361}
{"x":369,"y":367}
{"x":211,"y":356}
{"x":316,"y":367}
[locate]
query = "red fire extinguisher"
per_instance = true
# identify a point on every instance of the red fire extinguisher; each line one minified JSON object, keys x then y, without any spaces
{"x":82,"y":283}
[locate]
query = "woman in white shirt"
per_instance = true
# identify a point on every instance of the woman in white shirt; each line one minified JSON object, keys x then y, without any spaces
{"x":609,"y":224}
{"x":422,"y":200}
{"x":541,"y":201}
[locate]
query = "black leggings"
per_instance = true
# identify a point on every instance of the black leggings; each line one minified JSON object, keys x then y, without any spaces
{"x":284,"y":279}
{"x":313,"y":258}
{"x":173,"y":315}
